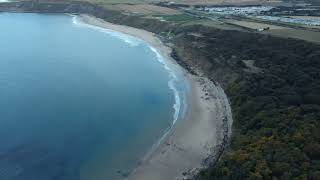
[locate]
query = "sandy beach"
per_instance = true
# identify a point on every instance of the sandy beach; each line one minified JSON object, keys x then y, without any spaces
{"x":193,"y":139}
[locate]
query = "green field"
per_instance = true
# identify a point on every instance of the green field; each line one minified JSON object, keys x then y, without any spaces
{"x":177,"y":18}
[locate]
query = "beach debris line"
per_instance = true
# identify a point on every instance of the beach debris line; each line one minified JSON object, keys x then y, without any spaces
{"x":213,"y":92}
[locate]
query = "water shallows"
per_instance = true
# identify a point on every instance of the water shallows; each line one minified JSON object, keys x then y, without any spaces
{"x":78,"y":102}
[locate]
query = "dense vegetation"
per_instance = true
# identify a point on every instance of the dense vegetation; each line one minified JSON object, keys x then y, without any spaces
{"x":276,"y":104}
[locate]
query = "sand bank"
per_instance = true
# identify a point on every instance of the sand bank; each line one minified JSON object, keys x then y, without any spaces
{"x":193,"y":139}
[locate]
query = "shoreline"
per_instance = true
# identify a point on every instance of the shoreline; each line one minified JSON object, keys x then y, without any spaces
{"x":192,"y":142}
{"x":164,"y":57}
{"x":162,"y":52}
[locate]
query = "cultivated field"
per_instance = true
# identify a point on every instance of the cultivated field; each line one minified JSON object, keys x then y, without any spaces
{"x":146,"y":9}
{"x":296,"y":34}
{"x":307,"y":17}
{"x":281,"y":31}
{"x":254,"y":25}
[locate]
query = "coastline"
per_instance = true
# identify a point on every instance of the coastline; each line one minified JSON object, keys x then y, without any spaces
{"x":186,"y":147}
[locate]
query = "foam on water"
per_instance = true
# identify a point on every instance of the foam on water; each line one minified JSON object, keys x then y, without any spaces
{"x":171,"y":84}
{"x":180,"y":104}
{"x":178,"y":93}
{"x":102,"y":144}
{"x":133,"y":41}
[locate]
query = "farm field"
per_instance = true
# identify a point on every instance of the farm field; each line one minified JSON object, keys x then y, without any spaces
{"x":255,"y":25}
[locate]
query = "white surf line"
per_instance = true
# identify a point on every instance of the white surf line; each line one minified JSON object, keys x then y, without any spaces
{"x":131,"y":40}
{"x":171,"y":85}
{"x":176,"y":106}
{"x":135,"y":41}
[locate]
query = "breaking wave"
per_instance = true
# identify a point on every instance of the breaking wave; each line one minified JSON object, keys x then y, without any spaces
{"x":172,"y":85}
{"x":133,"y":41}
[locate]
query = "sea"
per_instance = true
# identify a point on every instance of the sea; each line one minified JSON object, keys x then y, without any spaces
{"x":79,"y":101}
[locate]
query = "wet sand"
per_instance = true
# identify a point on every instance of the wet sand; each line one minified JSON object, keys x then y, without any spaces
{"x":192,"y":139}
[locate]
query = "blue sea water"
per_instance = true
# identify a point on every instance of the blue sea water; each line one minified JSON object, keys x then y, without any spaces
{"x":78,"y":102}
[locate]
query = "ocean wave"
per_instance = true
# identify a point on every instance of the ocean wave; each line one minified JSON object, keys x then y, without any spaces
{"x":180,"y":105}
{"x":171,"y":84}
{"x":131,"y":40}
